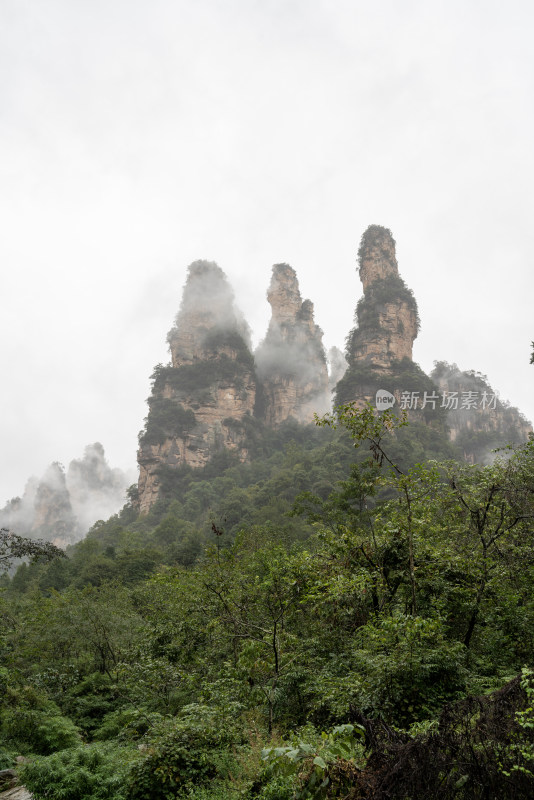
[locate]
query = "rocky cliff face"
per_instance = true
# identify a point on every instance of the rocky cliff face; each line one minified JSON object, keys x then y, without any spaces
{"x":44,"y":511}
{"x":387,"y":319}
{"x":478,"y":420}
{"x":207,"y":309}
{"x":291,"y":362}
{"x":209,"y":396}
{"x":379,"y":353}
{"x":53,"y":515}
{"x":213,"y":394}
{"x":201,"y":401}
{"x":96,"y":490}
{"x":379,"y":348}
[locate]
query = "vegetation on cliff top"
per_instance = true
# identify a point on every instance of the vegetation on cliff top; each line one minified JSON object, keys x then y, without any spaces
{"x":374,"y":236}
{"x":196,"y":385}
{"x":383,"y":291}
{"x":403,"y":376}
{"x":166,"y":419}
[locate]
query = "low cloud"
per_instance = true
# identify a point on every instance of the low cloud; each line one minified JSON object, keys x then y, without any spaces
{"x":61,"y":506}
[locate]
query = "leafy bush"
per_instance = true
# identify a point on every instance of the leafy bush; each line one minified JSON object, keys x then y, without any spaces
{"x":92,"y":772}
{"x":520,"y":752}
{"x":278,"y":787}
{"x":407,"y":670}
{"x":126,"y":724}
{"x":34,"y":724}
{"x":6,"y":759}
{"x":166,"y":418}
{"x":91,"y":700}
{"x":183,"y":752}
{"x":38,"y":732}
{"x":216,"y":791}
{"x":324,"y":769}
{"x":478,"y":749}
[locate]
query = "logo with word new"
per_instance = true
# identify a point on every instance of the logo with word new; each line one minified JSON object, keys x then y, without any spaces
{"x":384,"y":400}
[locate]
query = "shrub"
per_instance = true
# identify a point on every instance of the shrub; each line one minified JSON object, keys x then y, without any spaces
{"x":34,"y":724}
{"x":39,"y":732}
{"x":180,"y":753}
{"x":6,"y":759}
{"x":89,"y":772}
{"x":166,"y":418}
{"x":325,"y":768}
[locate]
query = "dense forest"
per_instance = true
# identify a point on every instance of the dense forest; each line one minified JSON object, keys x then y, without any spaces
{"x":348,"y":615}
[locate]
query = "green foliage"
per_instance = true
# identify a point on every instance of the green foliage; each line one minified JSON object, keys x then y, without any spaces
{"x":90,"y":700}
{"x":325,"y":769}
{"x":90,"y":630}
{"x":520,"y":751}
{"x":31,"y":722}
{"x":126,"y":724}
{"x":222,"y":339}
{"x":365,"y":424}
{"x":166,"y":418}
{"x":403,"y":376}
{"x":181,"y":753}
{"x":278,"y":787}
{"x":396,"y":596}
{"x":90,"y":772}
{"x":381,"y":292}
{"x":181,"y":539}
{"x":13,"y":546}
{"x":192,"y":379}
{"x":405,"y":669}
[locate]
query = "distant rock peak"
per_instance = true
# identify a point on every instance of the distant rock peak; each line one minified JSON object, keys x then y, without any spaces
{"x":61,"y":507}
{"x":291,"y":361}
{"x":199,"y":403}
{"x":284,"y":295}
{"x":207,"y":309}
{"x":387,"y":317}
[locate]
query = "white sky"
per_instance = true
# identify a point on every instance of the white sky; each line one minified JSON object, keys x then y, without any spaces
{"x":137,"y":136}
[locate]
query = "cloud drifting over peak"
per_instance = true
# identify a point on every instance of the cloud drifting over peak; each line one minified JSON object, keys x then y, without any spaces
{"x":61,"y":506}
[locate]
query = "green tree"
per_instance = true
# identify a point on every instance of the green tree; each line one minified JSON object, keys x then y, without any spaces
{"x":13,"y":546}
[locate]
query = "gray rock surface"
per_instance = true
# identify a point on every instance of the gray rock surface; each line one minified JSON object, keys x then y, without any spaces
{"x":18,"y":793}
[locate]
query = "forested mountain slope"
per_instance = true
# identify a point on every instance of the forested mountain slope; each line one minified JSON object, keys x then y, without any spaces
{"x":361,"y":638}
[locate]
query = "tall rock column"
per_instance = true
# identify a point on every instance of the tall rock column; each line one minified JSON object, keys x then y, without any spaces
{"x":387,"y":313}
{"x":291,"y":361}
{"x":201,"y":401}
{"x":379,"y":348}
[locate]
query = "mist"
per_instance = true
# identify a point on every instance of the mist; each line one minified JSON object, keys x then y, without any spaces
{"x":337,"y":366}
{"x":485,"y":425}
{"x":208,"y":303}
{"x":95,"y":489}
{"x":61,"y":506}
{"x":292,"y":352}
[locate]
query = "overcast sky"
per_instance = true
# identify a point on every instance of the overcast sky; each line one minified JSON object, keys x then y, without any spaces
{"x":136,"y":137}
